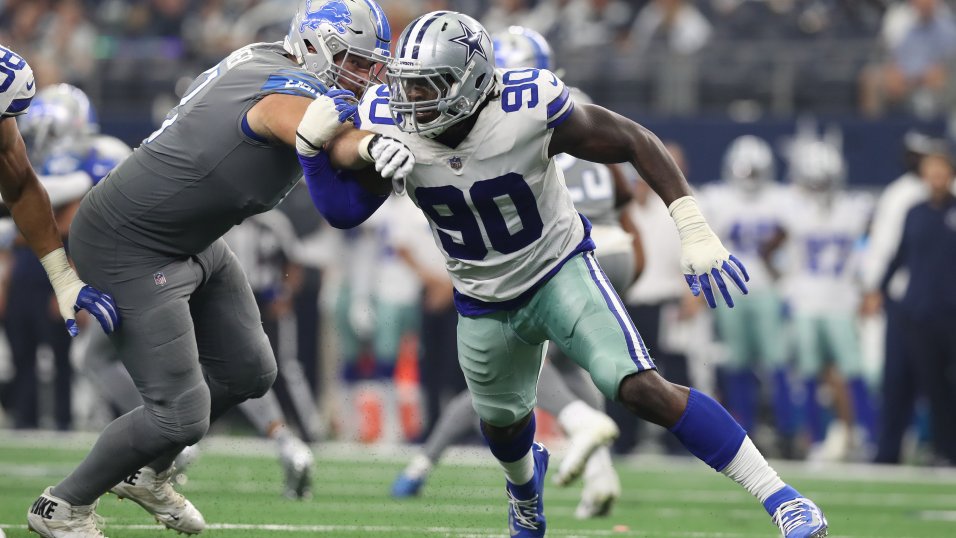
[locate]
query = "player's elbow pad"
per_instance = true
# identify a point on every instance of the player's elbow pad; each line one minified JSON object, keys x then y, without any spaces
{"x":337,"y":196}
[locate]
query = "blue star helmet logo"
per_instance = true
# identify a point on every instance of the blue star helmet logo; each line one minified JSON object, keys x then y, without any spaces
{"x":471,"y":41}
{"x":334,"y":13}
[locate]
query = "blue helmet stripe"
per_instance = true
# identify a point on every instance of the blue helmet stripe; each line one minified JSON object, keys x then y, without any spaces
{"x":404,"y":38}
{"x":421,"y":33}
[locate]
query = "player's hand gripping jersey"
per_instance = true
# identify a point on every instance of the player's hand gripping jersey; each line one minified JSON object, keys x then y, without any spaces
{"x":497,"y":197}
{"x":17,"y":86}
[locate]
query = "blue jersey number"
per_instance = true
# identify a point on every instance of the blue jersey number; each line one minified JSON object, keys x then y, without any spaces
{"x":520,"y":89}
{"x":828,"y":254}
{"x":9,"y":62}
{"x":380,"y":102}
{"x":458,"y":225}
{"x":748,"y":237}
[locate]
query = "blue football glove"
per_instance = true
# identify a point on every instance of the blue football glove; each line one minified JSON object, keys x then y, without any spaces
{"x":704,"y":259}
{"x":73,"y":295}
{"x":345,"y":103}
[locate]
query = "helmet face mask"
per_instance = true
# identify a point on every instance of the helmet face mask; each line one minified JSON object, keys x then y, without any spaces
{"x":336,"y":39}
{"x":443,"y":72}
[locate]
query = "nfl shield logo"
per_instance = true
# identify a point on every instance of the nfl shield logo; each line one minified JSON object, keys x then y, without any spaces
{"x":455,"y":163}
{"x":159,"y":279}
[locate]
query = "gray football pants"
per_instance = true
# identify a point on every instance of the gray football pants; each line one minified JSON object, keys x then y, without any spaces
{"x":191,"y":338}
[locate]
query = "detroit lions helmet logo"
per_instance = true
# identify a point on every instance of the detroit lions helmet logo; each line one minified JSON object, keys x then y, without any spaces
{"x":334,"y":13}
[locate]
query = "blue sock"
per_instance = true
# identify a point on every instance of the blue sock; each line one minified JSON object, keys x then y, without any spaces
{"x":516,"y":448}
{"x":812,"y":413}
{"x":708,"y":431}
{"x":783,"y":402}
{"x":774,"y":501}
{"x":741,"y":397}
{"x":863,"y":407}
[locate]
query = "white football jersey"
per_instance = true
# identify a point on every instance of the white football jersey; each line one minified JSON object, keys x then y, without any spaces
{"x":497,"y":204}
{"x":17,"y":86}
{"x":745,"y":221}
{"x":394,"y":281}
{"x":823,"y":251}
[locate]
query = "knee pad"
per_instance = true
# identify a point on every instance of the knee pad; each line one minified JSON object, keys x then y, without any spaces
{"x":184,"y":420}
{"x":501,"y":413}
{"x":254,"y":374}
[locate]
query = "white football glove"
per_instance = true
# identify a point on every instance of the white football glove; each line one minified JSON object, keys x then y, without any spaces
{"x":703,"y":256}
{"x":326,"y":113}
{"x":393,"y":160}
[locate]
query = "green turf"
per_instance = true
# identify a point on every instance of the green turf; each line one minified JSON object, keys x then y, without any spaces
{"x":239,"y":496}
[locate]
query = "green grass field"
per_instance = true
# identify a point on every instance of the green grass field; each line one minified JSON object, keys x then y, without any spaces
{"x":236,"y":485}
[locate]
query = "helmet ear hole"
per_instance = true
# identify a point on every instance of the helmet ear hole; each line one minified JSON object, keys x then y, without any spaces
{"x":479,"y":81}
{"x":309,"y":46}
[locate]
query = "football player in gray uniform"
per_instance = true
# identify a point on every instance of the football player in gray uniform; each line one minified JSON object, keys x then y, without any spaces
{"x":242,"y":136}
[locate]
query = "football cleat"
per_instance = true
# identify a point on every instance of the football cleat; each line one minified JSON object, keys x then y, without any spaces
{"x":297,"y":461}
{"x":154,"y":492}
{"x":800,"y":518}
{"x":602,"y":488}
{"x":600,"y":430}
{"x":526,"y":510}
{"x":52,"y":517}
{"x":406,"y":486}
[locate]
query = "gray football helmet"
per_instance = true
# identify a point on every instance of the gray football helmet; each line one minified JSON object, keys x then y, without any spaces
{"x":748,"y":163}
{"x":321,"y":29}
{"x":519,"y":47}
{"x":817,"y":166}
{"x":444,"y":68}
{"x":60,"y":115}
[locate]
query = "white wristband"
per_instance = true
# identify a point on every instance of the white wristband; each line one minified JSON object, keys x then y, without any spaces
{"x":691,"y":224}
{"x":364,"y":148}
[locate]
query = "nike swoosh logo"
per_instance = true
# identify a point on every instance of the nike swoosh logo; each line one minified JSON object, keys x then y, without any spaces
{"x":30,"y":84}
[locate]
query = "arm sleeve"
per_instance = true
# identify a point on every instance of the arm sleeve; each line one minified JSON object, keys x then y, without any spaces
{"x":337,"y":196}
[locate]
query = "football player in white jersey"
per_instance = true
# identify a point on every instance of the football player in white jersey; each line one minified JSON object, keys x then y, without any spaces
{"x":30,"y":206}
{"x":565,"y":390}
{"x":822,"y":228}
{"x":745,"y":209}
{"x":521,"y":258}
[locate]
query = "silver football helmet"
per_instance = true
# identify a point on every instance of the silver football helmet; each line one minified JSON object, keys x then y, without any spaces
{"x":519,"y":47}
{"x":443,"y":70}
{"x":323,"y":29}
{"x":817,"y":166}
{"x":749,"y":163}
{"x":59,"y":115}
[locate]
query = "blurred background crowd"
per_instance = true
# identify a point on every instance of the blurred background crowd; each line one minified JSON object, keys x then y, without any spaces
{"x":836,"y":358}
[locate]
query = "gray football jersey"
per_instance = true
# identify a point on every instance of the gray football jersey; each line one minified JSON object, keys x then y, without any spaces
{"x":204,"y":170}
{"x":592,"y":189}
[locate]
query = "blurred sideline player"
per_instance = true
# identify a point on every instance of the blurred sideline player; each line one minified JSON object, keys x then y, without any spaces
{"x":522,"y":260}
{"x":745,"y":209}
{"x":822,"y":228}
{"x":60,"y":134}
{"x":29,"y":203}
{"x":564,"y":388}
{"x":242,"y":136}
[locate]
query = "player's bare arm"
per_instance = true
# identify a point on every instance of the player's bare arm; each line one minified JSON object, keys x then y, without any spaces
{"x":596,"y":134}
{"x":23,"y":194}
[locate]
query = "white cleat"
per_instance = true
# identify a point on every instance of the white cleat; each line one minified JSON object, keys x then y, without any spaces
{"x":602,"y":487}
{"x":297,"y":461}
{"x":599,"y":430}
{"x":52,"y":517}
{"x":155,"y":493}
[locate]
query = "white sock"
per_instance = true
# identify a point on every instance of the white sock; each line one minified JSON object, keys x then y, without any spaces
{"x":574,"y":416}
{"x":751,"y":470}
{"x":519,"y":472}
{"x":419,"y":467}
